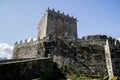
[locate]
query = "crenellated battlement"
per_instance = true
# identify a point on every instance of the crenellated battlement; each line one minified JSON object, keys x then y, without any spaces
{"x":57,"y":15}
{"x":25,"y":42}
{"x":99,"y":39}
{"x":94,"y":37}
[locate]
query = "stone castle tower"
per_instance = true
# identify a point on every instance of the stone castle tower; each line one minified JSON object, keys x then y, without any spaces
{"x":52,"y":23}
{"x":58,"y":24}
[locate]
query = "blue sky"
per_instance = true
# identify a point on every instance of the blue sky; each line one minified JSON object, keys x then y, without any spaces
{"x":19,"y":18}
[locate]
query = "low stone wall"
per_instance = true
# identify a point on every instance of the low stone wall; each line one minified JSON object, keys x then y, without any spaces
{"x":27,"y":69}
{"x":32,"y":49}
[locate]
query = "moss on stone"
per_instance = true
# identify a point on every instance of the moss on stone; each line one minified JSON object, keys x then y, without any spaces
{"x":82,"y":77}
{"x":116,"y":78}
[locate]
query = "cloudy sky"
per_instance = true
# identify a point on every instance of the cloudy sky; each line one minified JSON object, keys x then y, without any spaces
{"x":5,"y":50}
{"x":19,"y":18}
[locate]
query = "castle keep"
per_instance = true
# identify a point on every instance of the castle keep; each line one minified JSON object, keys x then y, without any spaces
{"x":52,"y":24}
{"x":58,"y":24}
{"x":57,"y":39}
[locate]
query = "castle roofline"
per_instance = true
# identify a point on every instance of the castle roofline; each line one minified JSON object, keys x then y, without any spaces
{"x":53,"y":11}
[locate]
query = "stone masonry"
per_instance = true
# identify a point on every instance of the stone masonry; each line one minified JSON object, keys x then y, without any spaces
{"x":28,"y":69}
{"x":58,"y":24}
{"x":57,"y":38}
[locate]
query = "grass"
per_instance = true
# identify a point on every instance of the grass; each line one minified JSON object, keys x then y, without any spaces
{"x":37,"y":79}
{"x":116,"y":78}
{"x":81,"y":77}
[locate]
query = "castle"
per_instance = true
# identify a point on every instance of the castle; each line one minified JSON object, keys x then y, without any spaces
{"x":52,"y":23}
{"x":57,"y":39}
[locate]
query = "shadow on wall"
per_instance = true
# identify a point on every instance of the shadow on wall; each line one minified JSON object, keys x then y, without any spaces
{"x":43,"y":69}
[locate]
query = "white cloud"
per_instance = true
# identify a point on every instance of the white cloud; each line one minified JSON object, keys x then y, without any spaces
{"x":5,"y":50}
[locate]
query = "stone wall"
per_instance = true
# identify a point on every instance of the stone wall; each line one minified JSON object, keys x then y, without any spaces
{"x":25,"y":50}
{"x":97,"y":39}
{"x":74,"y":56}
{"x":32,"y":49}
{"x":109,"y":60}
{"x":78,"y":59}
{"x":61,"y":25}
{"x":42,"y":27}
{"x":28,"y":69}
